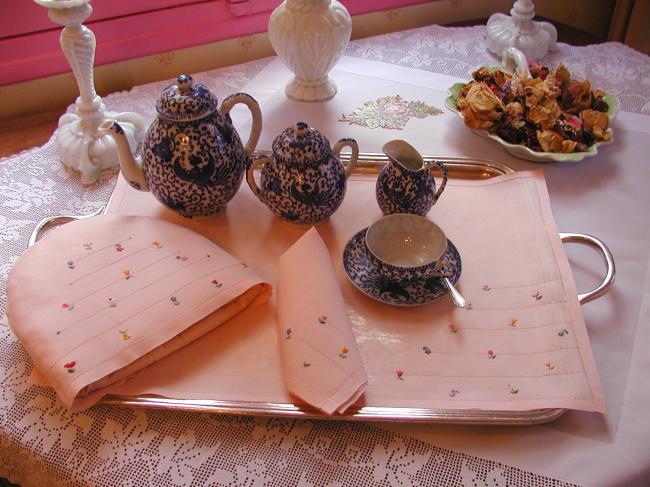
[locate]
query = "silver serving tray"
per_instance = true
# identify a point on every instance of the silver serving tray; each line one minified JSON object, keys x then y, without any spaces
{"x":368,"y":163}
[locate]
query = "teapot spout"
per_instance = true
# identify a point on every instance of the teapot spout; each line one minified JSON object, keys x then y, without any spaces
{"x":404,"y":154}
{"x":131,"y":166}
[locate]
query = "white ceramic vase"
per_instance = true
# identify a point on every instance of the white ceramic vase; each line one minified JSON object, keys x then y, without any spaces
{"x":310,"y":36}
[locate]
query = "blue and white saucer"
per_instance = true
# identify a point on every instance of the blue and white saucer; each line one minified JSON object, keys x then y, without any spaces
{"x":365,"y":276}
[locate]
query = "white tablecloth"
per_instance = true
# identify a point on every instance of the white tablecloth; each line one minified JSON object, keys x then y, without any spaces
{"x":41,"y":443}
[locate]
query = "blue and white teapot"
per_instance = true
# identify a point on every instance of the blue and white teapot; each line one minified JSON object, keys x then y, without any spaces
{"x":304,"y":181}
{"x":193,"y":160}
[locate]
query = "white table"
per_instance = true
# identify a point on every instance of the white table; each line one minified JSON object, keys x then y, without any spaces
{"x":41,"y":443}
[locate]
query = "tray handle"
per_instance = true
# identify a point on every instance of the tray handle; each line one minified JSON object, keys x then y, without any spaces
{"x":57,"y":219}
{"x":610,"y":273}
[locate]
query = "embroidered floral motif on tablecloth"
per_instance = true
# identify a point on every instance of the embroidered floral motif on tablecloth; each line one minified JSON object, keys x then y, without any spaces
{"x":389,"y":112}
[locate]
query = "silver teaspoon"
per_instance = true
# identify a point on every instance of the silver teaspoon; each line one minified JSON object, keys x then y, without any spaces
{"x":456,"y":297}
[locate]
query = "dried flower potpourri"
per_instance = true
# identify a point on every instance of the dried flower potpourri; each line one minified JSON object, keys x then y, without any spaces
{"x":548,"y":112}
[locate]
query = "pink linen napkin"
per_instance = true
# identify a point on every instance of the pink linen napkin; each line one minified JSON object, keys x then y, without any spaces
{"x":100,"y":299}
{"x":320,"y":359}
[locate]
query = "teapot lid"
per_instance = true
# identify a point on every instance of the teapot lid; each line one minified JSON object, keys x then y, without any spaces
{"x":301,"y":144}
{"x":185,"y":100}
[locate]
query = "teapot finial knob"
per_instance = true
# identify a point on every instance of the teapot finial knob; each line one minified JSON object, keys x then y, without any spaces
{"x":301,"y":129}
{"x":184,"y":83}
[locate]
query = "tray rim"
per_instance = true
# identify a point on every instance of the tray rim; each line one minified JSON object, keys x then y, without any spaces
{"x":368,"y":164}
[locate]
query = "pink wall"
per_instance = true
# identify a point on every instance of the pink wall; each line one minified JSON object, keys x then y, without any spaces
{"x":126,"y":29}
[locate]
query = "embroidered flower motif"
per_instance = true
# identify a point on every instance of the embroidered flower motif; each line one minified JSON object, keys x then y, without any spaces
{"x":563,"y":332}
{"x":491,"y":354}
{"x":322,"y":319}
{"x":344,"y":353}
{"x":125,"y":335}
{"x":427,"y":350}
{"x":486,"y":287}
{"x":399,"y":374}
{"x":389,"y":112}
{"x":452,"y":328}
{"x":181,"y":258}
{"x":69,"y":366}
{"x":512,"y":389}
{"x":127,"y":274}
{"x":246,"y":42}
{"x":549,"y":366}
{"x":288,"y":334}
{"x":537,"y":296}
{"x":216,"y":283}
{"x":469,"y":306}
{"x":514,"y":321}
{"x":70,"y":264}
{"x":174,"y":301}
{"x":67,"y":306}
{"x":157,"y":244}
{"x":454,"y":393}
{"x":119,"y":248}
{"x":306,"y":364}
{"x":88,"y":246}
{"x":112,"y":303}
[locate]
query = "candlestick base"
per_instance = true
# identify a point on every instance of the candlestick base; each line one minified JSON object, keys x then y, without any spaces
{"x":518,"y":30}
{"x":86,"y":151}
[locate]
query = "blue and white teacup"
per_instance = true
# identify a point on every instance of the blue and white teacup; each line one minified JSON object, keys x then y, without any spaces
{"x":406,"y":247}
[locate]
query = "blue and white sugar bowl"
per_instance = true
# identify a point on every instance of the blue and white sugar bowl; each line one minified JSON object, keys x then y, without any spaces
{"x":303,"y":182}
{"x":405,"y":184}
{"x":193,"y":160}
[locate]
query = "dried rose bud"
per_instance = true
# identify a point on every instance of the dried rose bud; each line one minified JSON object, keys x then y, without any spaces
{"x":577,"y":96}
{"x":549,"y":140}
{"x":561,"y":76}
{"x":481,"y":108}
{"x":599,"y":104}
{"x":596,"y":122}
{"x":545,"y":113}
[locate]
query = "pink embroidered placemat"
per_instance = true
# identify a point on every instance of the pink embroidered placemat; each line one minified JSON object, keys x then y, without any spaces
{"x":521,"y":344}
{"x":100,"y":299}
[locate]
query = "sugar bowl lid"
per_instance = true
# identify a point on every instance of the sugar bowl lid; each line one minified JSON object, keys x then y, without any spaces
{"x":185,"y":100}
{"x":301,"y":144}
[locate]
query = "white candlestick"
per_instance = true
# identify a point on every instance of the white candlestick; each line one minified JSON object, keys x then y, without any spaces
{"x":81,"y":146}
{"x":518,"y":30}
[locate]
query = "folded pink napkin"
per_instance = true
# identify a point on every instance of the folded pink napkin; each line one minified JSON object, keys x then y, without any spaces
{"x":100,"y":299}
{"x":320,"y":359}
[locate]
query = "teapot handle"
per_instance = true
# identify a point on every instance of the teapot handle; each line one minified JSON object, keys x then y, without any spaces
{"x":443,"y":168}
{"x":254,"y":107}
{"x":352,"y":144}
{"x":259,"y":161}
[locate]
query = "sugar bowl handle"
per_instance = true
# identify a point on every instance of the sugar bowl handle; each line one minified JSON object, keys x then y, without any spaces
{"x":352,"y":144}
{"x":258,"y":162}
{"x":443,"y":169}
{"x":254,"y":107}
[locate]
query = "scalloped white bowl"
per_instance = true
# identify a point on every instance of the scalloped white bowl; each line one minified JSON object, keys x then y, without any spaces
{"x":523,"y":152}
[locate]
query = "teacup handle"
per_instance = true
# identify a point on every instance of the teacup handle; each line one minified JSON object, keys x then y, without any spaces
{"x":352,"y":144}
{"x":254,"y":107}
{"x":443,"y":168}
{"x":259,"y":161}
